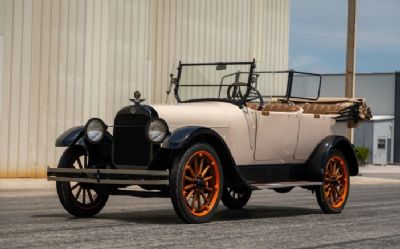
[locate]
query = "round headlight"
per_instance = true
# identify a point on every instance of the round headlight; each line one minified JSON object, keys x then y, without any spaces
{"x":157,"y":130}
{"x":95,"y":130}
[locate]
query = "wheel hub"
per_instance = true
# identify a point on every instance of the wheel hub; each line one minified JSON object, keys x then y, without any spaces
{"x":199,"y":182}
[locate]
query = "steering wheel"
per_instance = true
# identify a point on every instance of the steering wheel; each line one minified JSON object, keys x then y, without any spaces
{"x":234,"y":92}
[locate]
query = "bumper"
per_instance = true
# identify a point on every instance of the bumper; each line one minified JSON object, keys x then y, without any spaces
{"x":109,"y":176}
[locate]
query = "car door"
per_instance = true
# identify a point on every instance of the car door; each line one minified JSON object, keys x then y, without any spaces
{"x":276,"y":137}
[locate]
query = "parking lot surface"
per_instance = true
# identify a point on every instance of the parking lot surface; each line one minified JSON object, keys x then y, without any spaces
{"x":31,"y":217}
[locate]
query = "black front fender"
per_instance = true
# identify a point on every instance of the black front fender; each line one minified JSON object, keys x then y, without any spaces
{"x":99,"y":153}
{"x":184,"y":137}
{"x":70,"y":136}
{"x":319,"y":158}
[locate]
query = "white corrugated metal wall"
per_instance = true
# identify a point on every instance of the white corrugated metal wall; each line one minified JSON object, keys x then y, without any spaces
{"x":67,"y":60}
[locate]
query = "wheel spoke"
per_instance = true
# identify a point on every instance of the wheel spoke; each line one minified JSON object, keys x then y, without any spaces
{"x":203,"y":196}
{"x":201,"y":165}
{"x":84,"y":196}
{"x":187,"y":187}
{"x":189,"y":179}
{"x":333,"y":168}
{"x":193,"y":201}
{"x":336,"y":193}
{"x":90,"y":196}
{"x":205,"y":171}
{"x":327,"y":190}
{"x":191,"y":170}
{"x":196,"y":165}
{"x":208,"y":178}
{"x":79,"y":163}
{"x":208,"y":189}
{"x":78,"y":193}
{"x":75,"y":186}
{"x":85,"y":161}
{"x":198,"y":201}
{"x":189,"y":195}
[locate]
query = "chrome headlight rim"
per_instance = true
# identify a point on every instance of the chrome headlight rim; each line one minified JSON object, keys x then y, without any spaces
{"x":103,"y":127}
{"x":148,"y":127}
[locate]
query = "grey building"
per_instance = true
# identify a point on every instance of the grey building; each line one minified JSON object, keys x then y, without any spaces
{"x":381,"y":134}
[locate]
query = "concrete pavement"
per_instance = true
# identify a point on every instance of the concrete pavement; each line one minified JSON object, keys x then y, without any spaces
{"x":32,"y":217}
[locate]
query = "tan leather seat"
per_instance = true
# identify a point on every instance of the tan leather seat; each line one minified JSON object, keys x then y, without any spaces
{"x":252,"y":105}
{"x":280,"y":107}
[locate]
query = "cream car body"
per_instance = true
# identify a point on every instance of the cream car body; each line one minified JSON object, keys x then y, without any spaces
{"x":252,"y":137}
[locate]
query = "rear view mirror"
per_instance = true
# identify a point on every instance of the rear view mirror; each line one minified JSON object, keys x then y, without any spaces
{"x":221,"y":67}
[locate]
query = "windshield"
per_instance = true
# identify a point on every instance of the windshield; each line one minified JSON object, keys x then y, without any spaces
{"x":213,"y":81}
{"x":238,"y":82}
{"x":288,"y":84}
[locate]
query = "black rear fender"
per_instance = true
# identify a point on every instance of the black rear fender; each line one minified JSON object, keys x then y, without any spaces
{"x":183,"y":138}
{"x":319,"y":158}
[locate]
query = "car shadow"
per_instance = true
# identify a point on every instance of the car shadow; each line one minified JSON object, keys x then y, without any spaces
{"x":168,"y":216}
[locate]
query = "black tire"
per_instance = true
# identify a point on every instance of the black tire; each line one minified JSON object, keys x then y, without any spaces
{"x":234,"y":199}
{"x":283,"y":190}
{"x":73,"y":195}
{"x":334,"y":192}
{"x":196,"y":181}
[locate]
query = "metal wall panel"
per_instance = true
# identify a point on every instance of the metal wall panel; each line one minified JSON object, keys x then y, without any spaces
{"x":67,"y":60}
{"x":226,"y":30}
{"x":377,"y":88}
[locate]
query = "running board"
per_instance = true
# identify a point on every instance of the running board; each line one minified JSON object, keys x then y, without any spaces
{"x":286,"y":185}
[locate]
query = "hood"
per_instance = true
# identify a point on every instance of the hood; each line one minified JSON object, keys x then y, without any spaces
{"x":206,"y":114}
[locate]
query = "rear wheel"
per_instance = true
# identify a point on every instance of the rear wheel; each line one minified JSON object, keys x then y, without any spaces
{"x":196,"y":182}
{"x":79,"y":199}
{"x":333,"y":193}
{"x":235,"y":199}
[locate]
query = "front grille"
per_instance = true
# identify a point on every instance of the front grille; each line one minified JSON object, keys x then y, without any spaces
{"x":130,"y":145}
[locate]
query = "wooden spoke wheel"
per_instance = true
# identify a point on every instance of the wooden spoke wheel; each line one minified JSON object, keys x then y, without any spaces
{"x":333,"y":193}
{"x":195,"y":184}
{"x":235,"y":199}
{"x":79,"y":199}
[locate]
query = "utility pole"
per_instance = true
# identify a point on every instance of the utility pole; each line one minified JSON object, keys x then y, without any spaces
{"x":351,"y":54}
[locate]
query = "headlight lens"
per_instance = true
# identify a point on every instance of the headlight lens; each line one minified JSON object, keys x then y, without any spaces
{"x":157,"y":130}
{"x":95,"y":130}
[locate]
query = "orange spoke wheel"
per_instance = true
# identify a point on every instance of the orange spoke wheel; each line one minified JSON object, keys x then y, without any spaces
{"x":196,"y":184}
{"x":334,"y":191}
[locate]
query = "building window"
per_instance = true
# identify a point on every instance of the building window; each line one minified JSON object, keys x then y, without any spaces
{"x":381,"y":143}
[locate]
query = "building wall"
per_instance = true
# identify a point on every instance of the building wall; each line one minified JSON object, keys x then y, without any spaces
{"x":377,"y":88}
{"x":367,"y":135}
{"x":67,"y":60}
{"x":382,"y":130}
{"x":396,"y":144}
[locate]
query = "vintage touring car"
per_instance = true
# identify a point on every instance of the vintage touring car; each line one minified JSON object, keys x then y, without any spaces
{"x":233,"y":130}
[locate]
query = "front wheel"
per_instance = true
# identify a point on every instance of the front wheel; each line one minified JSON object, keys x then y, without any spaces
{"x":196,"y":181}
{"x":79,"y":199}
{"x":333,"y":193}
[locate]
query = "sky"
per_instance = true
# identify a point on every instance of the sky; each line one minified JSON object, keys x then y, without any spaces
{"x":318,"y":30}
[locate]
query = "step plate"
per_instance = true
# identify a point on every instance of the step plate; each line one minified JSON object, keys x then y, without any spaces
{"x":286,"y":184}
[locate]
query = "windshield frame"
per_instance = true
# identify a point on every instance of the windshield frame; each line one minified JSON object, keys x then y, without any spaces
{"x":289,"y":85}
{"x":239,"y":103}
